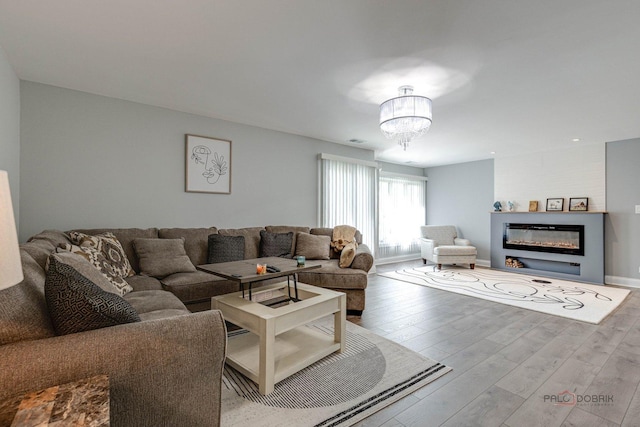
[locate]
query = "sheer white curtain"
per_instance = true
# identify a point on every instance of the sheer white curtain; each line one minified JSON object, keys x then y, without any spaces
{"x":348,"y":195}
{"x":402,"y":212}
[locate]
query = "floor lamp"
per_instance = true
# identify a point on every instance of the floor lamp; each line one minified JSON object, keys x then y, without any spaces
{"x":10,"y":265}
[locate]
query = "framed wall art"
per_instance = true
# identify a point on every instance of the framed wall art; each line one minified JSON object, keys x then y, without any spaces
{"x":208,"y":165}
{"x":579,"y":204}
{"x":555,"y":205}
{"x":533,"y":206}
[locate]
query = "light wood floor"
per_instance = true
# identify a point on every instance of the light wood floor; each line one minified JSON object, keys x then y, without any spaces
{"x":506,"y":359}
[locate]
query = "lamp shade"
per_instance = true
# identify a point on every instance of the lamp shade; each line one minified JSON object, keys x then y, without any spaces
{"x":10,"y":265}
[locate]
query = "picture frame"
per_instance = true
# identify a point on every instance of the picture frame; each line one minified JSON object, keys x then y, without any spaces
{"x":533,"y":206}
{"x":207,"y":165}
{"x":555,"y":204}
{"x":579,"y":204}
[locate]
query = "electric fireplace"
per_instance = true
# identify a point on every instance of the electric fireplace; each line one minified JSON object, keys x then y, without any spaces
{"x":554,"y":238}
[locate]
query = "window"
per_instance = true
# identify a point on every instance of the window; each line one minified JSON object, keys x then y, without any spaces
{"x":348,"y":195}
{"x":402,"y":212}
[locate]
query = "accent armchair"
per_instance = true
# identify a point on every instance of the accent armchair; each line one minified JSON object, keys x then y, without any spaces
{"x":440,"y":244}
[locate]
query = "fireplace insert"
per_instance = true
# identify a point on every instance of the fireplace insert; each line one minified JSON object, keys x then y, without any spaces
{"x":554,"y":238}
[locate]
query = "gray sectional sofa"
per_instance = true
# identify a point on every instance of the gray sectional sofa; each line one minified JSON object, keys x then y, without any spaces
{"x":166,"y":368}
{"x":195,"y":288}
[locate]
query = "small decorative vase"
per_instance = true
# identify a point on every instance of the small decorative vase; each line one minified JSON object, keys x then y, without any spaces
{"x":497,"y":207}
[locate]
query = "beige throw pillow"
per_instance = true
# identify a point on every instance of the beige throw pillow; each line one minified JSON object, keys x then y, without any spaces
{"x":347,"y":255}
{"x":313,"y":247}
{"x":160,"y":258}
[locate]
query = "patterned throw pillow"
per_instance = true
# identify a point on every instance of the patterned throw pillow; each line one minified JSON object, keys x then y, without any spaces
{"x":76,"y":304}
{"x":225,"y":248}
{"x":110,"y":247}
{"x":276,"y":244}
{"x":98,"y":260}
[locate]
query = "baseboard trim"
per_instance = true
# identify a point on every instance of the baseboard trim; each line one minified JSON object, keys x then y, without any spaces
{"x":483,"y":263}
{"x":401,"y":258}
{"x":622,"y":281}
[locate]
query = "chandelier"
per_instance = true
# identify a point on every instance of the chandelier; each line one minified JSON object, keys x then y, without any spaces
{"x":405,"y":117}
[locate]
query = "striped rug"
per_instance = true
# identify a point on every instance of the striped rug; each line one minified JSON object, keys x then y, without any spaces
{"x":339,"y":390}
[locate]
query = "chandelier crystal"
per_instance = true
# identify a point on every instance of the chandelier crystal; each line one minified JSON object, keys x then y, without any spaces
{"x":405,"y":117}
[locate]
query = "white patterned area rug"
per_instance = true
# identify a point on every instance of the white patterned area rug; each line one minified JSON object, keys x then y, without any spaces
{"x":574,"y":300}
{"x":339,"y":390}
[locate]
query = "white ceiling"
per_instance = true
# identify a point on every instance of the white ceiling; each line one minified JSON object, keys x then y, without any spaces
{"x":509,"y":76}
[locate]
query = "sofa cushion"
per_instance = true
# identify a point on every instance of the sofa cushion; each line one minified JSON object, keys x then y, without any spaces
{"x":76,"y":304}
{"x":286,"y":229}
{"x":331,"y":276}
{"x":109,"y":246}
{"x":101,"y":264}
{"x":347,"y":255}
{"x":198,"y":286}
{"x":155,"y":304}
{"x":251,"y":239}
{"x":313,"y":247}
{"x":454,"y":250}
{"x":144,"y":283}
{"x":196,"y":243}
{"x":225,"y":248}
{"x":125,"y":236}
{"x":23,"y":309}
{"x":88,"y":270}
{"x":162,"y":257}
{"x":275,"y":244}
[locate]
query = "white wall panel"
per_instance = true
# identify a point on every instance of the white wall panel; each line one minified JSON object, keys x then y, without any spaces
{"x":566,"y":173}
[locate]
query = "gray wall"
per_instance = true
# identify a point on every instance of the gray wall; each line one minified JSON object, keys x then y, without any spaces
{"x":93,"y":161}
{"x":462,"y":195}
{"x":622,"y":224}
{"x":10,"y":129}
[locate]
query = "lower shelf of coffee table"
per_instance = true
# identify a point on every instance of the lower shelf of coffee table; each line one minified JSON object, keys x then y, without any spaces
{"x":294,"y":350}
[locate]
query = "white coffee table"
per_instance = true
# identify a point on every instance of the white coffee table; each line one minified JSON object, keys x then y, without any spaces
{"x":279,"y":344}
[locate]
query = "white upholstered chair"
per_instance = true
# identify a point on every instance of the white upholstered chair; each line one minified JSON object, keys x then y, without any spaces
{"x":440,"y":244}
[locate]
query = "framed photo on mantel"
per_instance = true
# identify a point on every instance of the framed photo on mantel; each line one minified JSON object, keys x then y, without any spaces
{"x":579,"y":204}
{"x":555,"y":205}
{"x":533,"y":206}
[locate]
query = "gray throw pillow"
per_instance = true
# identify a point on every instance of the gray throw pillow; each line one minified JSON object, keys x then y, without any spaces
{"x":160,"y":258}
{"x":276,"y":244}
{"x":76,"y":304}
{"x":225,"y":248}
{"x":313,"y":247}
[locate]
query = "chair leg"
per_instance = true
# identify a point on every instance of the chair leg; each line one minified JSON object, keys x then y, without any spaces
{"x":424,"y":261}
{"x":472,"y":266}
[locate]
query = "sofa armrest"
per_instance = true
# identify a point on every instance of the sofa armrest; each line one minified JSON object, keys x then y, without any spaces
{"x":363,"y":259}
{"x":161,"y":372}
{"x":461,"y":242}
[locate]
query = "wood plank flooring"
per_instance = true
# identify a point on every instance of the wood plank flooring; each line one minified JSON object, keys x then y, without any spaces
{"x":506,"y":361}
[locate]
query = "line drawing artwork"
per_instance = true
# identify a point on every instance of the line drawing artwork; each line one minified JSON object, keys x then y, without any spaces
{"x":213,"y":168}
{"x":208,"y":165}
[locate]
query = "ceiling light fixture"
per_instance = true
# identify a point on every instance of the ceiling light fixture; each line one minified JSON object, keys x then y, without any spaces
{"x":405,"y":117}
